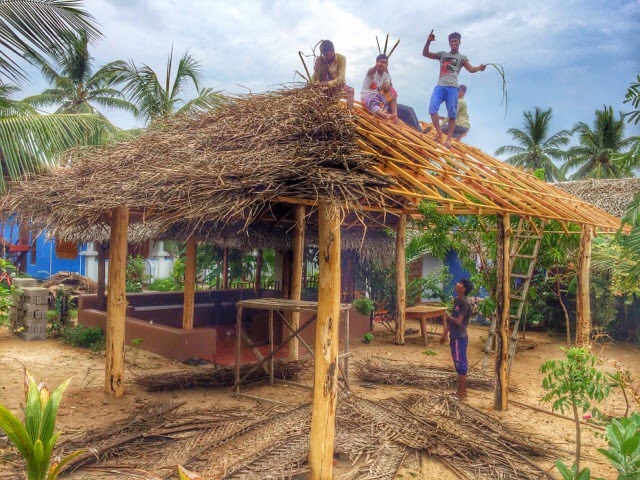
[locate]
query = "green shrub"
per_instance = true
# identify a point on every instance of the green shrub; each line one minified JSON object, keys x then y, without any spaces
{"x":85,"y":337}
{"x":135,"y":273}
{"x":623,"y":436}
{"x":364,"y":306}
{"x":368,"y":337}
{"x":164,"y":285}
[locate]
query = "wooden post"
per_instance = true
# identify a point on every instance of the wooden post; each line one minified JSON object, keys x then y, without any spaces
{"x":225,"y":269}
{"x":583,"y":305}
{"x":296,"y":275}
{"x":101,"y":299}
{"x":257,"y":285}
{"x":325,"y":379}
{"x":503,"y":291}
{"x":189,"y":285}
{"x":116,"y":303}
{"x":401,"y":280}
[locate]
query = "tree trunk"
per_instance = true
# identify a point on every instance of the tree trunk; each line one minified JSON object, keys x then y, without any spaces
{"x":325,"y":378}
{"x":583,"y":307}
{"x":401,"y":279}
{"x":189,"y":284}
{"x":503,"y":291}
{"x":296,"y":275}
{"x":116,"y":303}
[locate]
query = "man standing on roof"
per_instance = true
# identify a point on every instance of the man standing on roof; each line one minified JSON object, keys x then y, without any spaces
{"x":447,"y":88}
{"x":377,"y":94}
{"x":329,"y":71}
{"x":462,"y":116}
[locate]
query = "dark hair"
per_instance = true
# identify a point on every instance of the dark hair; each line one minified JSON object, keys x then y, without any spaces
{"x":382,"y":56}
{"x":455,"y":35}
{"x":326,"y":46}
{"x":463,"y":88}
{"x":468,"y":286}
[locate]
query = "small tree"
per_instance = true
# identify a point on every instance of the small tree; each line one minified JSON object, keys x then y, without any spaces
{"x":574,"y":383}
{"x":136,"y":275}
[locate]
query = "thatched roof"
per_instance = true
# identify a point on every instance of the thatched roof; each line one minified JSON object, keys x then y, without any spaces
{"x":252,"y":160}
{"x":611,"y":195}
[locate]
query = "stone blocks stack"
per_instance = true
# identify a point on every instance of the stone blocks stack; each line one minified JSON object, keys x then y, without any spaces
{"x":28,"y":314}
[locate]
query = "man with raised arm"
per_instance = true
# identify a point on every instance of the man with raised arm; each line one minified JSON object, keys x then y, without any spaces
{"x":447,"y":88}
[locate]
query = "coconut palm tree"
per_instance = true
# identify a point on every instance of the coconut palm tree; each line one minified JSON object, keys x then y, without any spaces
{"x":30,"y":141}
{"x":595,"y":156}
{"x":75,"y":86}
{"x":536,"y":149}
{"x":28,"y":26}
{"x":155,"y":99}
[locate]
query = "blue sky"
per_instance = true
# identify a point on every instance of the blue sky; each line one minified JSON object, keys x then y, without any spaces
{"x":573,"y":56}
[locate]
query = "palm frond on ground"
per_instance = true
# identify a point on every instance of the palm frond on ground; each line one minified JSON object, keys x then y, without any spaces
{"x":535,"y":149}
{"x":599,"y":147}
{"x":32,"y":26}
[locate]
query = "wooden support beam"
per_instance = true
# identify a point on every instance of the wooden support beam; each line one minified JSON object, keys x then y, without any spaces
{"x":503,"y":288}
{"x":296,"y":275}
{"x":225,"y":269}
{"x":101,"y":299}
{"x":401,"y":279}
{"x":325,"y":378}
{"x":259,"y":263}
{"x":583,"y":305}
{"x":116,"y":303}
{"x":189,"y":284}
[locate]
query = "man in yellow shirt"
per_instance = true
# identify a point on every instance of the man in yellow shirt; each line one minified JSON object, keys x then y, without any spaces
{"x":329,"y":70}
{"x":462,"y":119}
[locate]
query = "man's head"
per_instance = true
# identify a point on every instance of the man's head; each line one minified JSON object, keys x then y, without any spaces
{"x":327,"y":50}
{"x":464,"y":286}
{"x":462,"y":90}
{"x":454,"y":41}
{"x":382,"y":61}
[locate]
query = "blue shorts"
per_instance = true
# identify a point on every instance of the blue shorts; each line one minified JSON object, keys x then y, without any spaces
{"x":459,"y":354}
{"x":448,"y":95}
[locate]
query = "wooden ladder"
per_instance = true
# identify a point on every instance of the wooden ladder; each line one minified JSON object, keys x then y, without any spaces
{"x":525,"y":247}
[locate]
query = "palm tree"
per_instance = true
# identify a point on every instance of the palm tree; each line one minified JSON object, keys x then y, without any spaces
{"x":595,"y":156}
{"x":154,"y":99}
{"x":29,"y":141}
{"x":30,"y":26}
{"x":75,"y":87}
{"x":536,"y":149}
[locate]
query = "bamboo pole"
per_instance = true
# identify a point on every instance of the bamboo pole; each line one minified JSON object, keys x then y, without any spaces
{"x":225,"y":269}
{"x":503,"y":292}
{"x":116,"y":303}
{"x":296,"y":276}
{"x":401,"y":279}
{"x":189,"y":285}
{"x":101,"y":299}
{"x":583,"y":306}
{"x":259,"y":263}
{"x":325,"y":379}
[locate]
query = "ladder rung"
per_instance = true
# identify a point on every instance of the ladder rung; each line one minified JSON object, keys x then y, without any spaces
{"x":513,"y":316}
{"x":531,"y":237}
{"x":515,"y":297}
{"x":519,"y":275}
{"x":524,"y":256}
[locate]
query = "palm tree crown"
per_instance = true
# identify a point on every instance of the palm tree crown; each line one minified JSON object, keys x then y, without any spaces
{"x":155,"y":99}
{"x":29,"y":26}
{"x":595,"y":156}
{"x":75,"y":87}
{"x":536,"y":149}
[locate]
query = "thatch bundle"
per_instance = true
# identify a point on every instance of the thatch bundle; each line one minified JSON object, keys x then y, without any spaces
{"x":611,"y":195}
{"x":75,"y":283}
{"x":216,"y":167}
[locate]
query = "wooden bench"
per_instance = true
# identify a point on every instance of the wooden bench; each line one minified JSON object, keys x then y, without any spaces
{"x":424,"y":313}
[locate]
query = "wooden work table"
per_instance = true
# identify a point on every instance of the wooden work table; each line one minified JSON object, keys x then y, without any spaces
{"x":423,"y":313}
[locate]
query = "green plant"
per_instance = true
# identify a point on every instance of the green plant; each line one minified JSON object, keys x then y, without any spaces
{"x":136,"y":275}
{"x":364,"y":306}
{"x":623,"y":436}
{"x":163,"y":285}
{"x":35,"y":438}
{"x":6,"y":268}
{"x":368,"y":337}
{"x":574,"y":384}
{"x":136,"y":342}
{"x":81,"y":336}
{"x":572,"y":473}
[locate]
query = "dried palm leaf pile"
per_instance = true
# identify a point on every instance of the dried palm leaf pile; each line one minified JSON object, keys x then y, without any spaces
{"x":75,"y":283}
{"x":377,"y":437}
{"x":416,"y":375}
{"x":220,"y":377}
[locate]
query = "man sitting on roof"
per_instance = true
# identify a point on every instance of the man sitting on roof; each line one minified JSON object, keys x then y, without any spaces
{"x":329,"y":71}
{"x":377,"y":94}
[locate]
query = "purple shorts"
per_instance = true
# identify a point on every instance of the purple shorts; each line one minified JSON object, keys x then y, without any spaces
{"x":376,"y":101}
{"x":459,"y":354}
{"x":448,"y":95}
